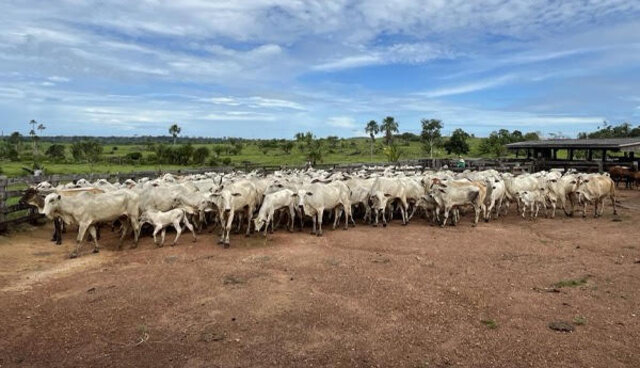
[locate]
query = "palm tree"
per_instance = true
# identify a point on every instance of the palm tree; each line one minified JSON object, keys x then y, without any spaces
{"x":389,"y":126}
{"x":372,"y":129}
{"x":32,"y":133}
{"x":174,"y":130}
{"x":40,"y":127}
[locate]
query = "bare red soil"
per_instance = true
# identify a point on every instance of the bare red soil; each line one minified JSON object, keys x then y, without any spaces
{"x":412,"y":296}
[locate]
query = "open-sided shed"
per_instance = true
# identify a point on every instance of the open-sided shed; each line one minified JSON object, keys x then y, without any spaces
{"x":548,"y":149}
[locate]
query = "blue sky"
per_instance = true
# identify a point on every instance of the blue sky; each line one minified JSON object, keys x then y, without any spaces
{"x":271,"y":68}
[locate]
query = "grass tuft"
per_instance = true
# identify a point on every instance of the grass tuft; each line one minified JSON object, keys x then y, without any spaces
{"x":571,"y":282}
{"x":491,"y":324}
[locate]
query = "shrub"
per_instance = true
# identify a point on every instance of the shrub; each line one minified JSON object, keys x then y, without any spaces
{"x":226,"y":161}
{"x":56,"y":152}
{"x":200,"y":155}
{"x":134,"y":156}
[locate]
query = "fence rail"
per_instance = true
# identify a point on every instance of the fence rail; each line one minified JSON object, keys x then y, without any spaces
{"x":15,"y":213}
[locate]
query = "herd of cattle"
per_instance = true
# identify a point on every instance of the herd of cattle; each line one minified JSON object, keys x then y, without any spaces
{"x":259,"y":202}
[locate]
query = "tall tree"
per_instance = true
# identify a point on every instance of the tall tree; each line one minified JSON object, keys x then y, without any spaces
{"x":389,"y":126}
{"x":174,"y":130}
{"x":15,"y":139}
{"x":40,"y":128}
{"x":457,"y":143}
{"x":431,"y":135}
{"x":372,"y":129}
{"x":33,"y":134}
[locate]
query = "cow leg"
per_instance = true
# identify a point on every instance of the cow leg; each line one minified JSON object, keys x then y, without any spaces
{"x":124,"y":232}
{"x":249,"y":214}
{"x":445,"y":216}
{"x":384,"y":219}
{"x":163,"y":233}
{"x":57,"y":232}
{"x":176,"y":225}
{"x":313,"y":230}
{"x":135,"y":224}
{"x":189,"y":226}
{"x":612,"y":196}
{"x":320,"y":214}
{"x":92,"y":232}
{"x":347,"y":215}
{"x":375,"y":224}
{"x":156,"y":230}
{"x":82,"y":229}
{"x":404,"y":209}
{"x":337,"y":212}
{"x":292,"y":218}
{"x":227,"y":241}
{"x":477,"y":210}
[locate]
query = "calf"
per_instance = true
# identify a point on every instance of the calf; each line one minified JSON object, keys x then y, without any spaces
{"x":160,"y":220}
{"x":532,"y":199}
{"x":271,"y":203}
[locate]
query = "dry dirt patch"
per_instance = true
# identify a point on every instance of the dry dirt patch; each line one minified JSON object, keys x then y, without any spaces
{"x":412,"y":296}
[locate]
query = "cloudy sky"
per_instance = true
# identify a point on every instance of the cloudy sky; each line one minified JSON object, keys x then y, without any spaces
{"x":270,"y":68}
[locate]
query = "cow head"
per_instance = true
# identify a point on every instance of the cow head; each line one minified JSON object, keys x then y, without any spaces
{"x":226,"y":199}
{"x":379,"y":200}
{"x":51,"y":204}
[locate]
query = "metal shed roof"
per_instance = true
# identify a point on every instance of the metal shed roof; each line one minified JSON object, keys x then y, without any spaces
{"x":625,"y":144}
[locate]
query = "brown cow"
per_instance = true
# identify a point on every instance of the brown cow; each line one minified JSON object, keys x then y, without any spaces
{"x":620,"y":173}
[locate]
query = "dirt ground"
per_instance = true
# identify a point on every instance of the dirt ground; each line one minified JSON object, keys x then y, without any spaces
{"x":415,"y":296}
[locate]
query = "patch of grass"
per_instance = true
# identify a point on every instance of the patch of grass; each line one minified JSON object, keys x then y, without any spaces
{"x":333,"y":262}
{"x":571,"y":282}
{"x":490,"y":323}
{"x":579,"y":320}
{"x":233,"y":280}
{"x":144,"y":334}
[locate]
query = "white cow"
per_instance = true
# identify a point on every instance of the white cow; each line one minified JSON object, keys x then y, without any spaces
{"x":315,"y":198}
{"x":160,"y":220}
{"x":270,"y":204}
{"x":384,"y":191}
{"x":88,"y":209}
{"x":233,"y":198}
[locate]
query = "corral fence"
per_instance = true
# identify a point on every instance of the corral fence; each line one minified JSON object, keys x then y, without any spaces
{"x":11,"y":189}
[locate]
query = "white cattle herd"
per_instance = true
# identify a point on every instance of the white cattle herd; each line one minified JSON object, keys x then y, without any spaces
{"x":260,"y":201}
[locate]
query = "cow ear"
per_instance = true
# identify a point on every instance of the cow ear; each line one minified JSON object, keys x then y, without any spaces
{"x":294,"y":195}
{"x":279,"y":185}
{"x":387,"y":195}
{"x":442,"y":190}
{"x":309,"y":193}
{"x":59,"y":197}
{"x":236,"y":194}
{"x":215,"y":194}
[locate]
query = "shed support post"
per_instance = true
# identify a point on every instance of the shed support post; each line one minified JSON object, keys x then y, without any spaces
{"x":3,"y":201}
{"x":589,"y":155}
{"x":570,"y":154}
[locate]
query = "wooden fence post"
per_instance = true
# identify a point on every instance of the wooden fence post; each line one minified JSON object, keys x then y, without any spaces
{"x":3,"y":201}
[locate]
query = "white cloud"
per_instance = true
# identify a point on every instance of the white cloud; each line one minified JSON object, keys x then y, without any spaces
{"x":344,"y":122}
{"x":402,"y":53}
{"x":55,"y":78}
{"x":468,"y":87}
